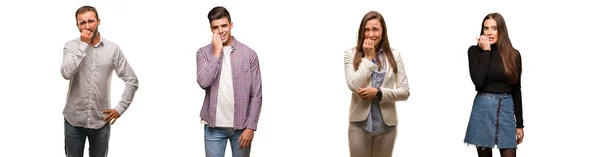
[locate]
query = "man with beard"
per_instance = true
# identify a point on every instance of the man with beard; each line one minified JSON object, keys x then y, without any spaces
{"x":88,"y":62}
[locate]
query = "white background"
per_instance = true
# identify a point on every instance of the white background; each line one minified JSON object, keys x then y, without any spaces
{"x":305,"y":98}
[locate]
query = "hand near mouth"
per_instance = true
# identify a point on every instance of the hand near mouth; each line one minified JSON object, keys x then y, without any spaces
{"x":217,"y":45}
{"x":86,"y":36}
{"x":369,"y":48}
{"x":484,"y":43}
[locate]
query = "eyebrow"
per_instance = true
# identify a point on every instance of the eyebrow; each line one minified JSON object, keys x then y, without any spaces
{"x":373,"y":27}
{"x":487,"y":27}
{"x":216,"y":26}
{"x":87,"y":20}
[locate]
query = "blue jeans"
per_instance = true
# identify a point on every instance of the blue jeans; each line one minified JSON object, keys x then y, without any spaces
{"x":75,"y":140}
{"x":215,"y":142}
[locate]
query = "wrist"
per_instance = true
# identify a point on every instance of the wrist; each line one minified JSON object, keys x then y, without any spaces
{"x":370,"y":56}
{"x":217,"y":52}
{"x":485,"y":48}
{"x":379,"y":94}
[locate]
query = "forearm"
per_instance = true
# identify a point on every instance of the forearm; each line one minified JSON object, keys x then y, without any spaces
{"x":255,"y":95}
{"x":395,"y":94}
{"x":401,"y":92}
{"x":208,"y":67}
{"x":254,"y":113}
{"x":131,"y":86}
{"x":358,"y":78}
{"x":126,"y":73}
{"x":518,"y":105}
{"x":73,"y":56}
{"x":479,"y":63}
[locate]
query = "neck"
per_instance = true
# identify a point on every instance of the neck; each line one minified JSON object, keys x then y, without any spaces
{"x":229,"y":42}
{"x":96,"y":39}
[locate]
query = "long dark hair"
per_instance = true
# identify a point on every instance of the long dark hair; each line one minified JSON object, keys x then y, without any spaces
{"x":509,"y":55}
{"x":383,"y":44}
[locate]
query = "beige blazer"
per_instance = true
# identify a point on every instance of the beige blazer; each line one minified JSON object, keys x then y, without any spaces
{"x":394,"y":87}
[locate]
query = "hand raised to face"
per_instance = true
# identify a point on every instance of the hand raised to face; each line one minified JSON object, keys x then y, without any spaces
{"x":86,"y":36}
{"x":484,"y":43}
{"x":217,"y":44}
{"x":369,"y":48}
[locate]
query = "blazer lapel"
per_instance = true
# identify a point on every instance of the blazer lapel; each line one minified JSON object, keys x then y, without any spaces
{"x":388,"y":73}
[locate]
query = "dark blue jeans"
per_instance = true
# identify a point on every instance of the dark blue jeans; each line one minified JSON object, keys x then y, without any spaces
{"x":75,"y":140}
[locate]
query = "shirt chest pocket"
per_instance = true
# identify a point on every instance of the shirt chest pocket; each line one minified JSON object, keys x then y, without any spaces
{"x":104,"y":64}
{"x":240,"y":65}
{"x":101,"y":61}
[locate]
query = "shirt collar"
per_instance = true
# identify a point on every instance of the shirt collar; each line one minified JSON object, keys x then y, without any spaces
{"x":101,"y":42}
{"x":234,"y":44}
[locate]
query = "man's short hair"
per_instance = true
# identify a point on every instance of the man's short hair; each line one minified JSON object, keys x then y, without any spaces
{"x":85,"y":9}
{"x":218,"y":13}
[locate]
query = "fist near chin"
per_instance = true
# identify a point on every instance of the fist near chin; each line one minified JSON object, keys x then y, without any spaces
{"x":86,"y":36}
{"x":484,"y":42}
{"x":369,"y":48}
{"x":217,"y":44}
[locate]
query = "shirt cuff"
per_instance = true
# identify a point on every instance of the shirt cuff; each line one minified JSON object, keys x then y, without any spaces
{"x":83,"y":47}
{"x":370,"y":65}
{"x":120,"y":109}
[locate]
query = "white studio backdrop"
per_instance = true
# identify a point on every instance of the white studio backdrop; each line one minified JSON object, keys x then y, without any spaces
{"x":300,"y":45}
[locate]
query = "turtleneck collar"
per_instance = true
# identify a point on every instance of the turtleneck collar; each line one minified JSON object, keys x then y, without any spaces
{"x":494,"y":47}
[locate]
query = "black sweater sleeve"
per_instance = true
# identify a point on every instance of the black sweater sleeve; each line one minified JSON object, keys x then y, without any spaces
{"x":517,"y":97}
{"x":479,"y":64}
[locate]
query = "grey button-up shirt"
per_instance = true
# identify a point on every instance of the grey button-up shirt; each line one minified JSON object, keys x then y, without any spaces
{"x":89,"y":69}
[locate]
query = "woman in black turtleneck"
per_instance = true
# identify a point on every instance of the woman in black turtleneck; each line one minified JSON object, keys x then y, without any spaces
{"x":495,"y":67}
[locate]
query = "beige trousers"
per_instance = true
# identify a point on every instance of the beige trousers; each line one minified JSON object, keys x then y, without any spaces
{"x":364,"y":144}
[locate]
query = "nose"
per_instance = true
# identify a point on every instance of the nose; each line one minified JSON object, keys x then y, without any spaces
{"x":488,"y":32}
{"x":220,"y":30}
{"x":370,"y":34}
{"x":86,"y":26}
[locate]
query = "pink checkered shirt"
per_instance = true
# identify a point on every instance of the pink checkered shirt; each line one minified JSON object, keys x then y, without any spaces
{"x":247,"y":84}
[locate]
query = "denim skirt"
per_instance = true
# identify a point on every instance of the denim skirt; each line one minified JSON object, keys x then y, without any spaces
{"x":492,"y":121}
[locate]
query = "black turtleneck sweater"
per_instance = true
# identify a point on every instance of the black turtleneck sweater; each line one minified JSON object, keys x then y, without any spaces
{"x":487,"y":73}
